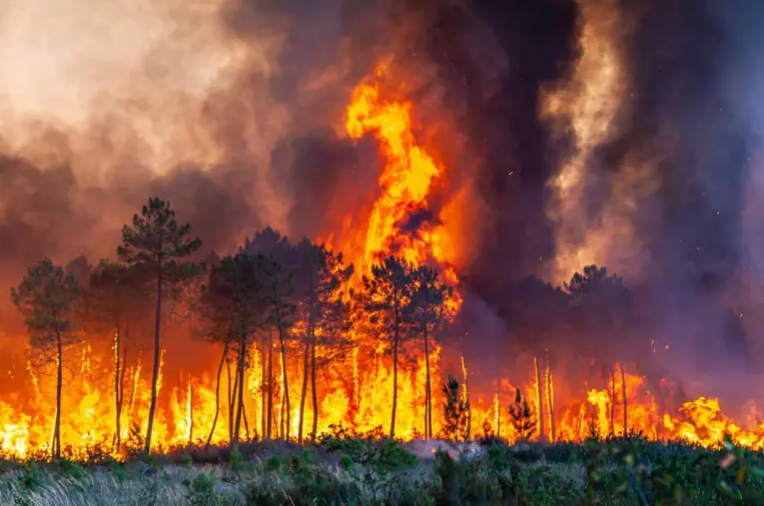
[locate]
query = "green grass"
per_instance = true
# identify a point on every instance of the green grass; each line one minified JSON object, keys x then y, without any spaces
{"x":346,"y":470}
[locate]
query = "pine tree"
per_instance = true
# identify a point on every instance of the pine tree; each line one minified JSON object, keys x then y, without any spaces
{"x":235,"y":305}
{"x":386,"y":296}
{"x":47,"y":297}
{"x":112,"y":300}
{"x":153,"y":246}
{"x":455,"y":411}
{"x":319,"y":277}
{"x":522,"y":417}
{"x":428,"y":312}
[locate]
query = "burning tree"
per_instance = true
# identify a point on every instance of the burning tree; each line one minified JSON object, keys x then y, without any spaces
{"x":153,"y":246}
{"x":278,"y":289}
{"x":455,"y":411}
{"x":47,"y":297}
{"x":386,"y":296}
{"x":522,"y":417}
{"x":539,"y":313}
{"x":112,"y":297}
{"x":234,"y":302}
{"x":427,"y":311}
{"x":320,"y":275}
{"x":601,"y":306}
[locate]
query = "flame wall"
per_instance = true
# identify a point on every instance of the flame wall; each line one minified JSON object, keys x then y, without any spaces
{"x":554,"y":133}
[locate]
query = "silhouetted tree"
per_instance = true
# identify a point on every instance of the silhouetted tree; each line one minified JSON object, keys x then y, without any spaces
{"x":112,"y":298}
{"x":235,"y":303}
{"x":428,"y":311}
{"x":539,"y":314}
{"x":455,"y":410}
{"x":522,"y":417}
{"x":319,"y":275}
{"x":46,"y":298}
{"x":602,"y":306}
{"x":386,"y":295}
{"x":153,"y":246}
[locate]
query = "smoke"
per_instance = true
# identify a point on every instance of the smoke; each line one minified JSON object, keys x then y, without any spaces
{"x":233,"y":110}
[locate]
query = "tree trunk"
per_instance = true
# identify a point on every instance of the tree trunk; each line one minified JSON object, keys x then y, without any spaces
{"x":117,"y":395}
{"x":217,"y":389}
{"x":270,"y":384}
{"x":123,"y":370}
{"x":396,"y":337}
{"x":285,"y":407}
{"x":59,"y":382}
{"x":625,"y":404}
{"x":231,"y":396}
{"x":314,"y":395}
{"x":540,"y":399}
{"x":304,"y":392}
{"x":157,"y":357}
{"x":550,"y":400}
{"x":612,"y":401}
{"x":428,"y":388}
{"x":239,"y":388}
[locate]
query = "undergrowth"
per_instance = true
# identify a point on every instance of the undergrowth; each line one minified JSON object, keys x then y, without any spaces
{"x":348,"y":469}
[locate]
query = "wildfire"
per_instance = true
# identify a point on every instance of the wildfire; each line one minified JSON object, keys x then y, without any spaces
{"x":356,"y":388}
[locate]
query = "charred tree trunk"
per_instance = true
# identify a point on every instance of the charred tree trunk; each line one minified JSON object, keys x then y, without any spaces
{"x":396,"y":338}
{"x":285,"y":407}
{"x":314,"y":395}
{"x":270,"y":384}
{"x":550,"y":401}
{"x":625,"y":403}
{"x":239,"y":395}
{"x":117,"y":393}
{"x":231,"y":395}
{"x":428,"y":387}
{"x":121,"y":385}
{"x":157,"y":355}
{"x":59,"y":384}
{"x":304,"y":392}
{"x":539,"y":399}
{"x":217,"y":389}
{"x":612,"y":401}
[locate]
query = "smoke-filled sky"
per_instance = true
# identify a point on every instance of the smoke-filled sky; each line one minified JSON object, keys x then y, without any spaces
{"x":233,"y":110}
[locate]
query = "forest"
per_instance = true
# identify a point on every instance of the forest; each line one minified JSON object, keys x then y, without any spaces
{"x":298,"y":302}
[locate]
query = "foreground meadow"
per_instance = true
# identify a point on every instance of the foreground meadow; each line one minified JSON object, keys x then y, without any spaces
{"x":340,"y":470}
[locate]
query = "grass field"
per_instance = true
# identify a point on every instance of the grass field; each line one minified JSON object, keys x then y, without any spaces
{"x":350,"y":471}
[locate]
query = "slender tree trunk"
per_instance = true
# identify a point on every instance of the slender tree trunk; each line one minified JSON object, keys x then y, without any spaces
{"x":550,"y":400}
{"x":231,"y":396}
{"x":263,"y":393}
{"x":612,"y":401}
{"x":304,"y":392}
{"x":217,"y":389}
{"x":117,"y":395}
{"x":239,"y":389}
{"x":157,"y":356}
{"x":59,"y":383}
{"x":396,"y":337}
{"x":123,"y":370}
{"x":245,"y":420}
{"x":313,"y":391}
{"x":428,"y":387}
{"x":539,"y":398}
{"x":270,"y":383}
{"x":625,"y":403}
{"x":285,"y":407}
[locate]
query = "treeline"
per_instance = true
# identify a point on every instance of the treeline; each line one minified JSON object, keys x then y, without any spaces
{"x":274,"y":294}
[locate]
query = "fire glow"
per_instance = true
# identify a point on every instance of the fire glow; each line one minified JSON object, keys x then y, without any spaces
{"x":357,"y":389}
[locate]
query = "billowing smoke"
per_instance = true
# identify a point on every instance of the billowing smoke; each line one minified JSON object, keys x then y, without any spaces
{"x":233,"y":110}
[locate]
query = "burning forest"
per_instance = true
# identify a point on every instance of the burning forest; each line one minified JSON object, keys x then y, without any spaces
{"x":418,"y":220}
